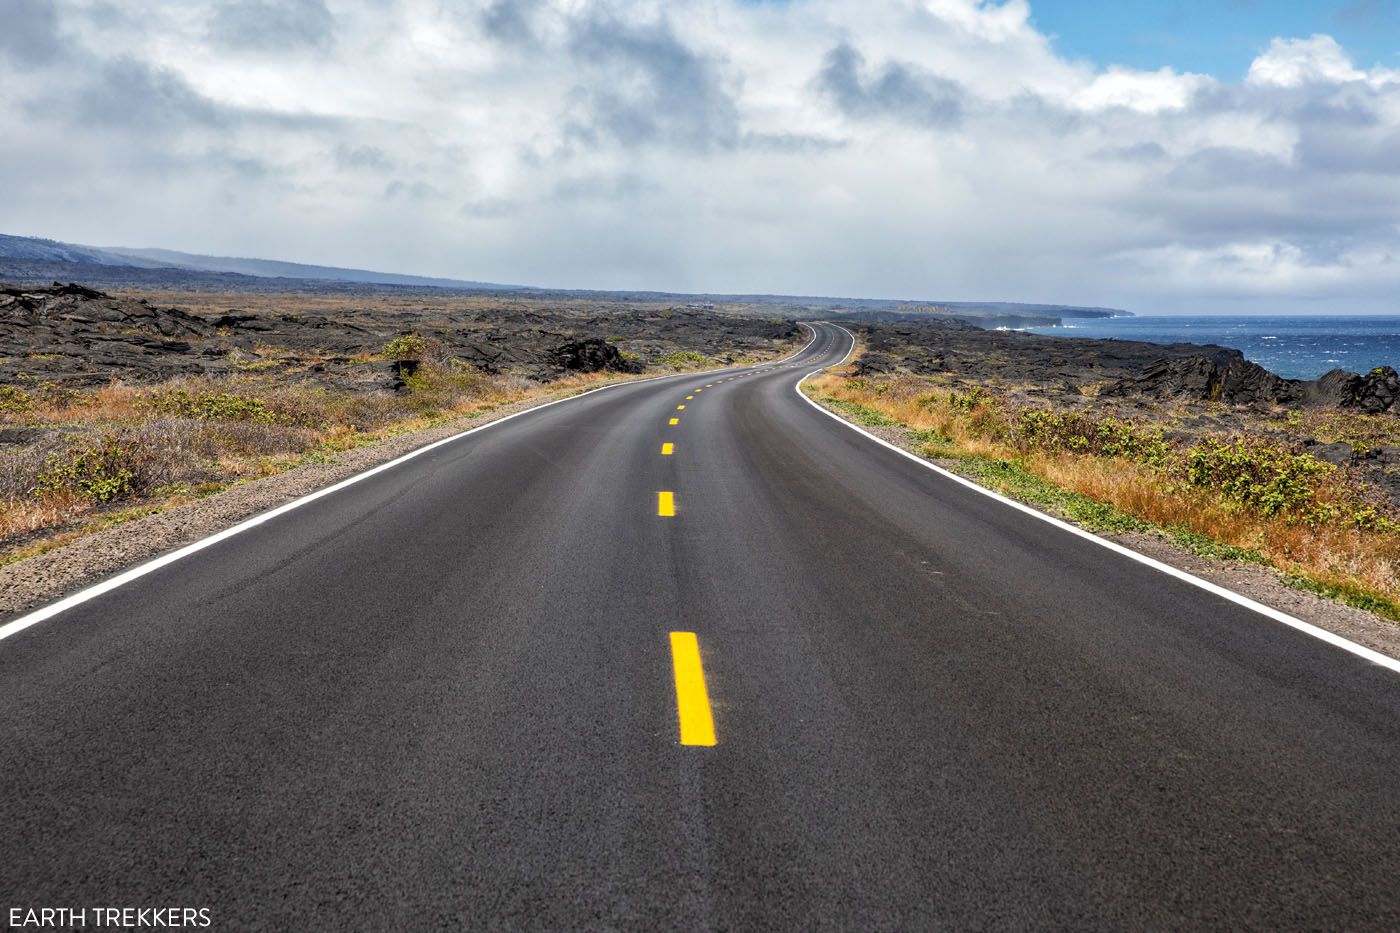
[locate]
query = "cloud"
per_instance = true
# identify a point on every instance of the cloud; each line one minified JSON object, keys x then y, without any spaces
{"x":29,"y":31}
{"x":510,"y":21}
{"x":920,"y":149}
{"x":897,"y":90}
{"x":1316,"y":60}
{"x":127,"y":92}
{"x":602,"y":187}
{"x":271,"y":25}
{"x":351,"y":157}
{"x":1332,"y":151}
{"x":1145,"y":91}
{"x":644,"y":85}
{"x":413,"y":191}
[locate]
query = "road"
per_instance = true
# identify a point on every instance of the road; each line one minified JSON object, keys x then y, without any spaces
{"x":448,"y":696}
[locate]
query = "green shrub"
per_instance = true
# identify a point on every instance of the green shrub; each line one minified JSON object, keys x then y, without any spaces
{"x":1078,"y":432}
{"x":14,"y":399}
{"x":1261,"y":476}
{"x":210,"y":406}
{"x":683,"y":358}
{"x":405,"y":347}
{"x":100,"y":473}
{"x":969,"y":399}
{"x":434,"y":388}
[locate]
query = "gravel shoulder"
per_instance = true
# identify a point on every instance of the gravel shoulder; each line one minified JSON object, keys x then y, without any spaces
{"x":1262,"y":584}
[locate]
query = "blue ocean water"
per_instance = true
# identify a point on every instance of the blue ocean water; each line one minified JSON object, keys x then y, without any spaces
{"x":1302,"y":347}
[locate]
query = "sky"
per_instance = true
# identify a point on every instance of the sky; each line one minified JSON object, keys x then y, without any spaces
{"x":1163,"y":156}
{"x":1216,"y":37}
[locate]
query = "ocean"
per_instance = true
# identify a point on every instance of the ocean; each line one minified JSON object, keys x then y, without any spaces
{"x":1301,"y":347}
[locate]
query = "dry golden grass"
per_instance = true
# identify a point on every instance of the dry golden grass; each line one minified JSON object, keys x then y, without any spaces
{"x":1337,"y":555}
{"x":25,"y":516}
{"x":105,"y":450}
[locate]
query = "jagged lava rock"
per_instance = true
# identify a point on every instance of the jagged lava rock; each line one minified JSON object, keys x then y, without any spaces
{"x":1223,"y":375}
{"x":592,"y":355}
{"x":1373,"y":393}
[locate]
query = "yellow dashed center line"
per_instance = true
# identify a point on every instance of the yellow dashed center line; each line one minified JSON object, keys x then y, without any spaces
{"x":667,"y":449}
{"x":665,"y":504}
{"x":692,"y":700}
{"x":675,"y":421}
{"x":680,"y":408}
{"x":689,"y":397}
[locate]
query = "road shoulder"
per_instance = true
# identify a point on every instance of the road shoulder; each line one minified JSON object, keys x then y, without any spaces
{"x":1262,"y":584}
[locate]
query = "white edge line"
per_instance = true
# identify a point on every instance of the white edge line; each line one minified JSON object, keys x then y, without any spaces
{"x":15,"y":626}
{"x":1307,"y":628}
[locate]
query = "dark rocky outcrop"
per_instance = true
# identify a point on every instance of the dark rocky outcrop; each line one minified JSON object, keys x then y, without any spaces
{"x":1137,"y":372}
{"x":1219,"y":376}
{"x":1338,"y":454}
{"x":69,"y":309}
{"x":875,"y":363}
{"x":1372,"y":393}
{"x":1226,"y":376}
{"x":592,"y":355}
{"x":956,"y":350}
{"x":79,"y":335}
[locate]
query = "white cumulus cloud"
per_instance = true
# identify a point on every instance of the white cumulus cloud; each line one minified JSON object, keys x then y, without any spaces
{"x":911,"y":148}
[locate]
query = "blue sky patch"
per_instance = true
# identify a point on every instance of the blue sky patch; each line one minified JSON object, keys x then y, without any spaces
{"x":1218,"y":37}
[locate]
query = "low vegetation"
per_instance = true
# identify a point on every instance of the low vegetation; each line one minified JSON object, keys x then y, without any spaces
{"x":1242,"y":496}
{"x":91,"y":457}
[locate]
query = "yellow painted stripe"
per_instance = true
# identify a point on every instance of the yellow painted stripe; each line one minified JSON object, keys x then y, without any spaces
{"x":675,"y":421}
{"x":665,"y":504}
{"x":708,"y":384}
{"x":667,"y":449}
{"x":689,"y":397}
{"x":680,"y":408}
{"x":692,"y":700}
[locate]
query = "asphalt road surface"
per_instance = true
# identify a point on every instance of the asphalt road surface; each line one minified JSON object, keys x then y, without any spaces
{"x":449,"y":695}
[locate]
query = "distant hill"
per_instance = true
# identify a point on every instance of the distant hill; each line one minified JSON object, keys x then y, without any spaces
{"x":35,"y":260}
{"x":271,"y":268}
{"x":34,"y":249}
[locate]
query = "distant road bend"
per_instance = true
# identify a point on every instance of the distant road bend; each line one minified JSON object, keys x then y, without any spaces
{"x":689,"y":653}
